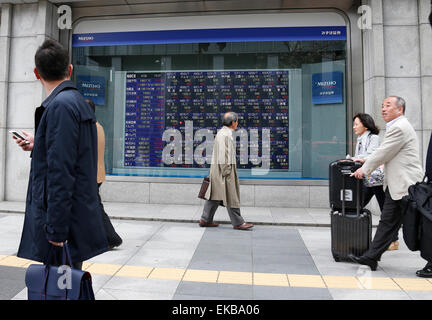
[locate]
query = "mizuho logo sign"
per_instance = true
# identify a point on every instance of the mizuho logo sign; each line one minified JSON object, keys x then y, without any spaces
{"x":65,"y":19}
{"x":326,"y":83}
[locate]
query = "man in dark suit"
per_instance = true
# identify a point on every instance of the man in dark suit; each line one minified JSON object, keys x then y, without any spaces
{"x":426,"y":272}
{"x":62,"y":203}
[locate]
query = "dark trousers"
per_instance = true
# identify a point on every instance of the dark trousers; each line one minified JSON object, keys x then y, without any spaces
{"x":378,"y":192}
{"x":210,"y":207}
{"x":114,"y":240}
{"x":388,"y":227}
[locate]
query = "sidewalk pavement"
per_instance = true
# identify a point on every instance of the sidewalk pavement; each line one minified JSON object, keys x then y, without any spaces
{"x":164,"y":256}
{"x":313,"y":217}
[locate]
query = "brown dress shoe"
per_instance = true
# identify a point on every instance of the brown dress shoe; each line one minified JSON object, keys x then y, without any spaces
{"x":202,"y":223}
{"x":243,"y":226}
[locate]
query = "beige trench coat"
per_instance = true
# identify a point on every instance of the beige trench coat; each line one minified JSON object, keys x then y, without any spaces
{"x":101,"y":153}
{"x":224,"y":183}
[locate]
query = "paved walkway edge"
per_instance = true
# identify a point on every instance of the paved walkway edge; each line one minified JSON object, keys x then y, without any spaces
{"x":264,"y":216}
{"x":285,"y":224}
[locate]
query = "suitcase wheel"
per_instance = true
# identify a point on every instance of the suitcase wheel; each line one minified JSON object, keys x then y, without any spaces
{"x":336,"y":258}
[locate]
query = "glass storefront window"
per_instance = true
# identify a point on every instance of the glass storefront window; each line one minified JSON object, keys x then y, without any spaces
{"x":161,"y":103}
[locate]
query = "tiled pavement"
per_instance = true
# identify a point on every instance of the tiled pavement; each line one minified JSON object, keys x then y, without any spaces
{"x":172,"y":260}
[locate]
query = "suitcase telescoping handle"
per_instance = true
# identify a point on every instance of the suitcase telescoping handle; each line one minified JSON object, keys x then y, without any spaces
{"x":357,"y":196}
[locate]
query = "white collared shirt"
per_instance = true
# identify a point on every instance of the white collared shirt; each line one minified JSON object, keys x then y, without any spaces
{"x":366,"y":144}
{"x":390,"y":123}
{"x":361,"y":143}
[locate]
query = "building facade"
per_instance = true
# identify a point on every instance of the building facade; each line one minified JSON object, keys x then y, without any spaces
{"x":161,"y":74}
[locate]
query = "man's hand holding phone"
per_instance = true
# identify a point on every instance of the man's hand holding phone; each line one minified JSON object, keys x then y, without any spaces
{"x":24,"y":140}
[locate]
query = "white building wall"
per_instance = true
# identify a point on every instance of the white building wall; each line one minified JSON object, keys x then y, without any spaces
{"x":137,"y":191}
{"x":425,"y":37}
{"x":398,"y":61}
{"x":29,"y":25}
{"x":5,"y":34}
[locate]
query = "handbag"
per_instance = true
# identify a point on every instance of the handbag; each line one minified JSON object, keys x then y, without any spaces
{"x":375,"y":178}
{"x":417,"y":219}
{"x":411,"y":229}
{"x":48,"y":282}
{"x":204,"y":187}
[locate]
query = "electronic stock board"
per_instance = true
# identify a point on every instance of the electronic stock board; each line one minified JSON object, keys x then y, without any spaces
{"x":156,"y":101}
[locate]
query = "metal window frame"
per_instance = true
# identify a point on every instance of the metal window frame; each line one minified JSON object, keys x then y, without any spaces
{"x":354,"y":77}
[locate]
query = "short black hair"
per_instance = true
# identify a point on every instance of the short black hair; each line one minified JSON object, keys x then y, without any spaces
{"x":368,"y":122}
{"x":92,"y":105}
{"x":52,"y":61}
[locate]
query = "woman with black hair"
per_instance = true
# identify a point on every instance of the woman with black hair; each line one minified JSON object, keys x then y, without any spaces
{"x":367,"y":141}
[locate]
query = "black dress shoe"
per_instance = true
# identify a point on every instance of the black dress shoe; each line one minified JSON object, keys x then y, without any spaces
{"x":426,"y":272}
{"x":373,"y":264}
{"x":115,"y":244}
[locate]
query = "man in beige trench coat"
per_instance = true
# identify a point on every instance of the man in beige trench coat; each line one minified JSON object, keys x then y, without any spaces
{"x":224,"y":188}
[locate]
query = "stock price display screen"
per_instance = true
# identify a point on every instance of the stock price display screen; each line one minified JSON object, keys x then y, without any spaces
{"x":162,"y":100}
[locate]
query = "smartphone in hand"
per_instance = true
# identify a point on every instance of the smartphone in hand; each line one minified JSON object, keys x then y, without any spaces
{"x":18,"y":135}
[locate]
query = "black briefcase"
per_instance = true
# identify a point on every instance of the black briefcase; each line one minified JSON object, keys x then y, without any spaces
{"x":48,"y":282}
{"x":351,"y":224}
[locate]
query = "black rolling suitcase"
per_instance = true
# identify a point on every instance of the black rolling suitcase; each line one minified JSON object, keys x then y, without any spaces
{"x":351,"y":224}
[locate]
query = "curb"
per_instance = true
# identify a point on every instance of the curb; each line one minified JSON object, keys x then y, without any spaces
{"x":258,"y":223}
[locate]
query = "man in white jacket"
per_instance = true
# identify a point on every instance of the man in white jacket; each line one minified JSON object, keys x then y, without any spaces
{"x":399,"y":152}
